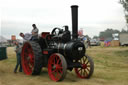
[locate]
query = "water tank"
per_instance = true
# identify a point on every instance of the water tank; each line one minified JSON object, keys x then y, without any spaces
{"x":3,"y":53}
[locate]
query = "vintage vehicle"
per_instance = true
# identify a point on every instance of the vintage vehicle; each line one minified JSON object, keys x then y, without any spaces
{"x":59,"y":51}
{"x":94,"y":42}
{"x":123,"y":39}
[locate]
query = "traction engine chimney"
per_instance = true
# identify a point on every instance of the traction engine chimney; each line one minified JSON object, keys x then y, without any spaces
{"x":74,"y":9}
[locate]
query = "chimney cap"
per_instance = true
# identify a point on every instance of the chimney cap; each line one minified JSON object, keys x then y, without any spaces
{"x":74,"y":6}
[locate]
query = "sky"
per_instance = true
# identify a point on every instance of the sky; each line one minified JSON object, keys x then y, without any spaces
{"x":93,"y":15}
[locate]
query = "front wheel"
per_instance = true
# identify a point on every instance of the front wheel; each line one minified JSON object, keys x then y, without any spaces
{"x":57,"y":67}
{"x":86,"y":69}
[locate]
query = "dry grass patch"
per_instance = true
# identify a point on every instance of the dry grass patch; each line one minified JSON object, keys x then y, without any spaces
{"x":111,"y":68}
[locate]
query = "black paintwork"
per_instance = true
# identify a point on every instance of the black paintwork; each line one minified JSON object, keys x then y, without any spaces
{"x":62,"y":42}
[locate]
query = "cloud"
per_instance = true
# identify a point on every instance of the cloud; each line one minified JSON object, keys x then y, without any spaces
{"x":94,"y":15}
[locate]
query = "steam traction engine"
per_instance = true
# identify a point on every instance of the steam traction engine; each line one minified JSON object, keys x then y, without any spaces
{"x":59,"y":52}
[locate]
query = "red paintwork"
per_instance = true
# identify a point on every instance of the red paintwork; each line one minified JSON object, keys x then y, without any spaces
{"x":84,"y":71}
{"x":27,"y":59}
{"x":55,"y":67}
{"x":44,"y":34}
{"x":45,"y":52}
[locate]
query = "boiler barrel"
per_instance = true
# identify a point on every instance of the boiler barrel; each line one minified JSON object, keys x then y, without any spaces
{"x":72,"y":50}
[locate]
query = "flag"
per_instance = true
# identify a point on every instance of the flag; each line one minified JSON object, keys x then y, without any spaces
{"x":80,"y":32}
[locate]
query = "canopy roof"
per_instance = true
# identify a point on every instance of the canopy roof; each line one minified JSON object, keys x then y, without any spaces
{"x":3,"y":39}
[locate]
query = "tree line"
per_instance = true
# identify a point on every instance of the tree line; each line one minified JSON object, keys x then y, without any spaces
{"x":108,"y":33}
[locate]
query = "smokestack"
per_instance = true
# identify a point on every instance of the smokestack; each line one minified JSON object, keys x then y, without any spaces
{"x":74,"y":9}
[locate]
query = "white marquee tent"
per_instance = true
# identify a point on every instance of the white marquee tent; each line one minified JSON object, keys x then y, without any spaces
{"x":2,"y":39}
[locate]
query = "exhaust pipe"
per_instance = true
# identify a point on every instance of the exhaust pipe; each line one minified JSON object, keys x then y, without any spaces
{"x":74,"y":9}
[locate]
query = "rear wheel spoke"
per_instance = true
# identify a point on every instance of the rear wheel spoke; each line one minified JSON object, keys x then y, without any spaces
{"x":86,"y":72}
{"x":81,"y":72}
{"x":85,"y":59}
{"x":80,"y":69}
{"x":87,"y":67}
{"x":87,"y":62}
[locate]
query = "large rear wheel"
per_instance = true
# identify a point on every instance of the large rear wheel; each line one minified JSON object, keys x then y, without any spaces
{"x":86,"y":69}
{"x":57,"y":67}
{"x":31,"y":58}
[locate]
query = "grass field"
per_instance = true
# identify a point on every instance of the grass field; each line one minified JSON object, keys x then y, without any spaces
{"x":111,"y":68}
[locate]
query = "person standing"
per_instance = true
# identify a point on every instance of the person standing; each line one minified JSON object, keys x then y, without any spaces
{"x":88,"y":41}
{"x":85,"y":41}
{"x":18,"y":50}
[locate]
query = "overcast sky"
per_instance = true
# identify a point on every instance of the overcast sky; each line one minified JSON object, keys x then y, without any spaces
{"x":94,"y":15}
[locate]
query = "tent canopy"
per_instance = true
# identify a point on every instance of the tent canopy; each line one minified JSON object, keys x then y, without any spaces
{"x":3,"y":39}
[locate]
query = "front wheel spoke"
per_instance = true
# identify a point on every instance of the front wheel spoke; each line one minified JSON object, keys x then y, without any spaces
{"x":58,"y":61}
{"x":54,"y":61}
{"x":61,"y":71}
{"x":53,"y":72}
{"x":59,"y":67}
{"x":58,"y":75}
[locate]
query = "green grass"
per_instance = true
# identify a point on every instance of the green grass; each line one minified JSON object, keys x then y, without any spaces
{"x":111,"y":64}
{"x":111,"y":68}
{"x":122,"y":53}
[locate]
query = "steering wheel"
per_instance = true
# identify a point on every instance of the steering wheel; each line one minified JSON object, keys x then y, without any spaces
{"x":56,"y":31}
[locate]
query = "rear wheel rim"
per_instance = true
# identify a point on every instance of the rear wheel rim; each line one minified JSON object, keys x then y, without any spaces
{"x":27,"y":59}
{"x":86,"y":69}
{"x":55,"y":68}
